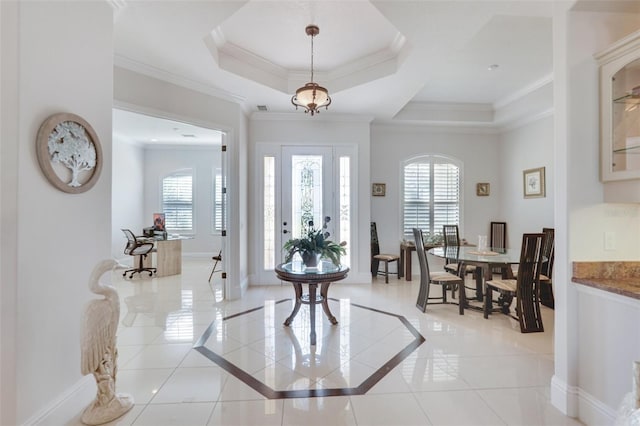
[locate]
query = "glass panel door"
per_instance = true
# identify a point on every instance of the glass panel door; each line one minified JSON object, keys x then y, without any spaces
{"x":300,"y":184}
{"x":307,"y":190}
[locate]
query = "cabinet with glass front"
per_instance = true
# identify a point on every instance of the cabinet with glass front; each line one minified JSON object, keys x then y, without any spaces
{"x":620,"y":109}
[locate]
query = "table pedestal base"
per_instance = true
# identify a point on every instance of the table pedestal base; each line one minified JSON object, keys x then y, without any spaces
{"x":312,"y":300}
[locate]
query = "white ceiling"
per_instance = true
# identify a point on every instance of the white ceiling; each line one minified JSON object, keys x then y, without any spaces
{"x":142,"y":129}
{"x":376,"y":58}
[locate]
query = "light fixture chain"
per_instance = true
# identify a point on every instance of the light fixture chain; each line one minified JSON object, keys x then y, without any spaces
{"x":312,"y":58}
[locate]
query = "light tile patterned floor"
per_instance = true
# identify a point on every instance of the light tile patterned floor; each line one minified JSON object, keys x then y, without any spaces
{"x":469,"y":371}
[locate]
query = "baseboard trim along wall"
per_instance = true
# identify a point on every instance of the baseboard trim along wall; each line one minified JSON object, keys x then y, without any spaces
{"x":575,"y":402}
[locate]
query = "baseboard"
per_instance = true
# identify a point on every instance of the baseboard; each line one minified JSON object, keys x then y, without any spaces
{"x":564,"y":397}
{"x":42,"y":414}
{"x":577,"y":403}
{"x":595,"y":412}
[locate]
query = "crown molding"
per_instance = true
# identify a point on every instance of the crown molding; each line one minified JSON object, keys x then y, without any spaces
{"x":300,"y":116}
{"x":117,"y":5}
{"x":151,"y":71}
{"x":523,"y":121}
{"x":439,"y":127}
{"x":524,"y":91}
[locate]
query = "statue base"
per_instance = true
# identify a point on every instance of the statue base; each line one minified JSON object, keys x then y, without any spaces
{"x":96,"y":414}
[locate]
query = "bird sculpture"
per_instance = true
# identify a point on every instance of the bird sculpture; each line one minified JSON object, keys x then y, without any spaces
{"x":99,"y":352}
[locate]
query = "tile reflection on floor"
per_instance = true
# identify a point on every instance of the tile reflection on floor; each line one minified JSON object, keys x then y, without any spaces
{"x":468,"y":371}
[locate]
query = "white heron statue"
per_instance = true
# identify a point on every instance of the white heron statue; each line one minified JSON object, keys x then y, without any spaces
{"x":99,"y":351}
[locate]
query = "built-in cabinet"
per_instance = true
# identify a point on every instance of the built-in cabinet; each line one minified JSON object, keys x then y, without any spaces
{"x":620,"y":109}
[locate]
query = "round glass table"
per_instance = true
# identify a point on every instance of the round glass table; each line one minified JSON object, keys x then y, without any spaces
{"x":487,"y":259}
{"x":297,"y":274}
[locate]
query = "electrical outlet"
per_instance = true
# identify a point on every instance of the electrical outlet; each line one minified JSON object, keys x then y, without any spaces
{"x":609,"y":240}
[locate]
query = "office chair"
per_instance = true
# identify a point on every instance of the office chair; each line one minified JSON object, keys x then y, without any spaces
{"x":137,"y":248}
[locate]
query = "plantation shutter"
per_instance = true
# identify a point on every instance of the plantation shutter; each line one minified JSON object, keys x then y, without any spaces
{"x":217,"y":202}
{"x":177,"y":201}
{"x":417,"y":192}
{"x":446,"y":195}
{"x":431,"y":195}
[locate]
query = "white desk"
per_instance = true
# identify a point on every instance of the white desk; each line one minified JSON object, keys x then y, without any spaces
{"x":168,"y":256}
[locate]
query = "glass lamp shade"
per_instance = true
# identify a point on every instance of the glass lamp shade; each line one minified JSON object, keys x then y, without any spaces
{"x":311,"y":97}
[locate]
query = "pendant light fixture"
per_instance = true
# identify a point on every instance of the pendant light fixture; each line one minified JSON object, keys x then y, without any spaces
{"x":311,"y":96}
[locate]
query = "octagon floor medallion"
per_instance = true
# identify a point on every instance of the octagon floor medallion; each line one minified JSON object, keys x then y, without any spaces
{"x":279,"y":362}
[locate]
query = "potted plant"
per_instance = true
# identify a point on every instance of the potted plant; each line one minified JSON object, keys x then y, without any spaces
{"x":314,"y":245}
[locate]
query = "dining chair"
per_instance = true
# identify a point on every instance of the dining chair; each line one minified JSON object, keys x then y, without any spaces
{"x":377,"y":257}
{"x":546,"y":282}
{"x":452,"y":239}
{"x":498,"y":239}
{"x":525,"y":288}
{"x":445,"y":280}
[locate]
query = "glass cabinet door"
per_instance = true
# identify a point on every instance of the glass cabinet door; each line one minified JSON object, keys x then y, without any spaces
{"x":625,"y":88}
{"x":620,"y":109}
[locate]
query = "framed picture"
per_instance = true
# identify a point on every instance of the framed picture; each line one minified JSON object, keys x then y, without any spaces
{"x":158,"y":222}
{"x":378,"y":189}
{"x":482,"y":189}
{"x":533,"y":183}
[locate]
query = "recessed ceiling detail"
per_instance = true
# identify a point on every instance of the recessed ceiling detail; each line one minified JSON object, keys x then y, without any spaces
{"x":359,"y":51}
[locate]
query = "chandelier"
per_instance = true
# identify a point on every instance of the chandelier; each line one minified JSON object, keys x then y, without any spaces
{"x":311,"y":96}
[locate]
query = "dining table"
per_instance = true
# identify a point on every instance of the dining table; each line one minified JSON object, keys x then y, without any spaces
{"x":487,"y":259}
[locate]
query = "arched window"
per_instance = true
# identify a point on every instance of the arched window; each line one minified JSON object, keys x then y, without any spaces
{"x":177,"y":200}
{"x":431,"y":194}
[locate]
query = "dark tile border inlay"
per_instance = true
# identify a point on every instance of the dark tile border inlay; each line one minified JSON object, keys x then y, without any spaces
{"x":270,"y":393}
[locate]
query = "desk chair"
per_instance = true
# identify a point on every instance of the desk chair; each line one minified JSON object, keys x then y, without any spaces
{"x":217,"y":259}
{"x":137,"y":248}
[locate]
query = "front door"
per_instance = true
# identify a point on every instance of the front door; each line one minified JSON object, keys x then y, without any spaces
{"x":303,"y":184}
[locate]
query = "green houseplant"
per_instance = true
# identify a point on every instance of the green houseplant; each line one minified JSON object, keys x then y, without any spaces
{"x":314,"y":245}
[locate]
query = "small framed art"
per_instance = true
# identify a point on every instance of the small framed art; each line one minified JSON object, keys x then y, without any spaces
{"x":378,"y":189}
{"x":533,"y":183}
{"x":482,"y":189}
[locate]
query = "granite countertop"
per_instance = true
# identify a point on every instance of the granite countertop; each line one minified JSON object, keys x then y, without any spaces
{"x":616,"y":277}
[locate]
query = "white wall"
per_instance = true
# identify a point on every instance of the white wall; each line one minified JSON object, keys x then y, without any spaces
{"x":477,"y":149}
{"x":127,"y":197}
{"x":68,"y":70}
{"x":580,"y":369}
{"x":526,"y":147}
{"x":159,"y":162}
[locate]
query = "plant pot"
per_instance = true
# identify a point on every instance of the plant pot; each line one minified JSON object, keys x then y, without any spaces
{"x":311,"y":260}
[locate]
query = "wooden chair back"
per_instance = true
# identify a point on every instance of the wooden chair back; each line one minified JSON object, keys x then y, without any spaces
{"x":450,"y":234}
{"x":498,"y":235}
{"x":528,"y":283}
{"x":423,"y":293}
{"x":498,"y":239}
{"x":375,"y":249}
{"x":548,"y":251}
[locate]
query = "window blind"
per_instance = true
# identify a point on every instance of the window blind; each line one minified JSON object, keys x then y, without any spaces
{"x":177,"y":201}
{"x":217,"y":202}
{"x":431,"y":195}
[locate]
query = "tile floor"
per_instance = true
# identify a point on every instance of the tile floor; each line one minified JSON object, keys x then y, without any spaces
{"x":468,"y":371}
